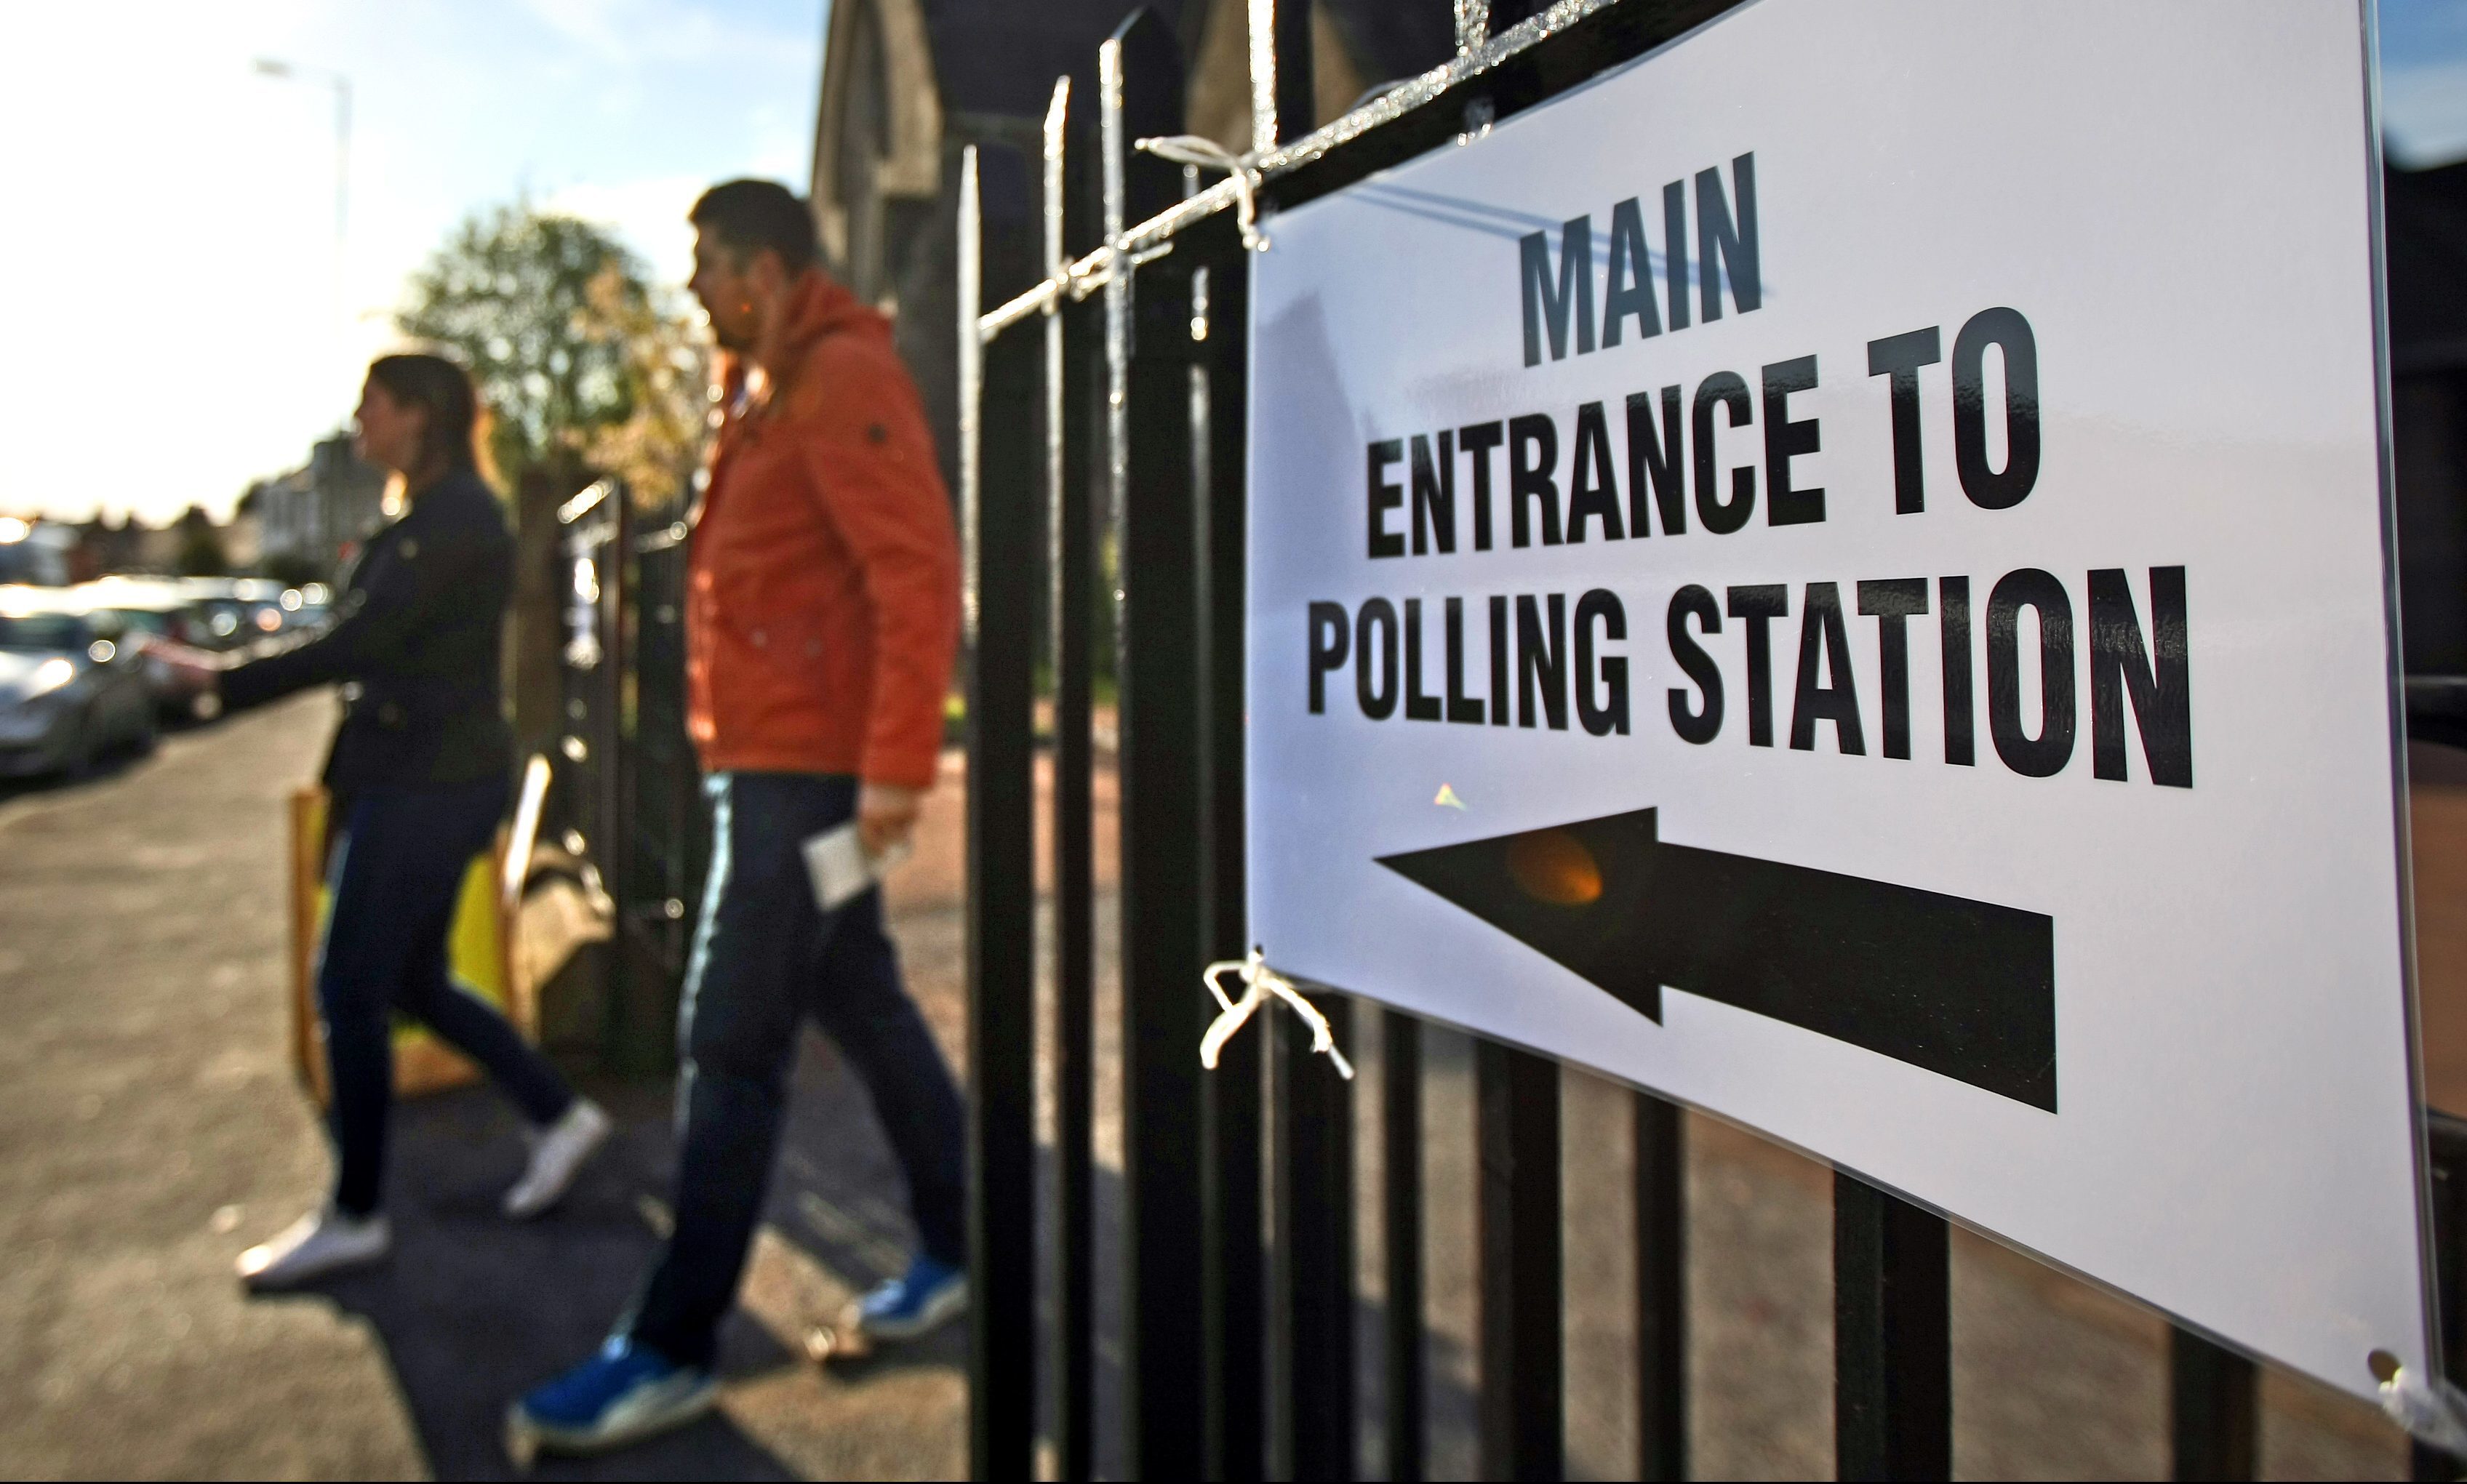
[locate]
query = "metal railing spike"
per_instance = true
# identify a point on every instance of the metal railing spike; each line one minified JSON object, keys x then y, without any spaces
{"x":1097,"y":267}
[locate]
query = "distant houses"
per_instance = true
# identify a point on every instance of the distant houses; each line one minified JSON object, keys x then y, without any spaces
{"x":308,"y":522}
{"x":300,"y":526}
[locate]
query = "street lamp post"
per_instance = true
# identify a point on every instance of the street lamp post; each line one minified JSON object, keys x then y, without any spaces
{"x":324,"y":534}
{"x":296,"y":72}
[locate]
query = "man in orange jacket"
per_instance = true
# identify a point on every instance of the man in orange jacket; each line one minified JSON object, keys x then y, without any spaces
{"x":821,"y":622}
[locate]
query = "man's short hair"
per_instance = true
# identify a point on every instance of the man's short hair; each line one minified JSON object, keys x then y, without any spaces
{"x":749,"y":215}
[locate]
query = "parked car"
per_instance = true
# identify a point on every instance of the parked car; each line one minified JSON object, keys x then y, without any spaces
{"x":225,"y":617}
{"x":72,"y":688}
{"x":306,"y":605}
{"x":239,"y":609}
{"x":153,"y":608}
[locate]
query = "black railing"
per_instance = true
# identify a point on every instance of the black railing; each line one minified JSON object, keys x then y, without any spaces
{"x":625,"y":802}
{"x":587,"y":810}
{"x":1136,"y":397}
{"x":668,"y":840}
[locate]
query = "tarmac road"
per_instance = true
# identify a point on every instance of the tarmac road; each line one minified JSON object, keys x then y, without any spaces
{"x":148,"y":1124}
{"x":151,"y":1129}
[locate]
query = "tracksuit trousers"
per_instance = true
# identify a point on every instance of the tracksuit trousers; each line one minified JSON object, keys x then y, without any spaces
{"x":765,"y":955}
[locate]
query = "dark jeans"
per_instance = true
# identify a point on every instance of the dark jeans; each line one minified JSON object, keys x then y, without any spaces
{"x":764,"y":956}
{"x":396,"y":874}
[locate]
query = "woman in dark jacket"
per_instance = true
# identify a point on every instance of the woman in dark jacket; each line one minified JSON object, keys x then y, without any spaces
{"x":417,"y":782}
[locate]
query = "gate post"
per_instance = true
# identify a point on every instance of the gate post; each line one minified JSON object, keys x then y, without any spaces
{"x":665,"y":847}
{"x":1149,"y":347}
{"x":1313,"y":1178}
{"x":1075,"y":373}
{"x":1523,"y":1352}
{"x":1661,"y":1289}
{"x":999,"y":514}
{"x":2446,"y":1145}
{"x":1237,"y":1431}
{"x":1893,"y":1360}
{"x":644,"y":1004}
{"x":1400,"y":1126}
{"x":2213,"y":1417}
{"x":1315,"y":1252}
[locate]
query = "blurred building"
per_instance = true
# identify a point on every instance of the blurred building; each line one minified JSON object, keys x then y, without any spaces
{"x":308,"y":522}
{"x":105,"y":546}
{"x":36,"y":552}
{"x":908,"y":83}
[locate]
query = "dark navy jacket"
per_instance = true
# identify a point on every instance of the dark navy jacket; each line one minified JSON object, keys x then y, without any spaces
{"x":415,"y":637}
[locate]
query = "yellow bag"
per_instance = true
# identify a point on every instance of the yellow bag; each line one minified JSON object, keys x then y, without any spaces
{"x":477,"y":953}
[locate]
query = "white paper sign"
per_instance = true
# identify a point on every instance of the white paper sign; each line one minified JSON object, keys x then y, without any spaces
{"x":1838,"y":574}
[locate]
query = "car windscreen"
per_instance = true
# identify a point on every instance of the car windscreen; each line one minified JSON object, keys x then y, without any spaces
{"x":145,"y":620}
{"x":224,"y":616}
{"x":55,"y":631}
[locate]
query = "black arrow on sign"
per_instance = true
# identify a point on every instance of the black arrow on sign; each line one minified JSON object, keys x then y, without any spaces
{"x":1959,"y":987}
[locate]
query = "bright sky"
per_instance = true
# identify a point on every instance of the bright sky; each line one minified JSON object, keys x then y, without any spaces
{"x":2424,"y":80}
{"x":167,"y":278}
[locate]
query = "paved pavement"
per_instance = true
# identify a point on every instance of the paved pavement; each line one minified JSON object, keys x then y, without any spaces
{"x":150,"y":1129}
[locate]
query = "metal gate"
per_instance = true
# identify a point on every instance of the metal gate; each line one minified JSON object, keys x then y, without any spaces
{"x":1102,"y":479}
{"x":625,"y":801}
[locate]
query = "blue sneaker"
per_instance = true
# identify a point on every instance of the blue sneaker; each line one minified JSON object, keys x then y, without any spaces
{"x":928,"y":1295}
{"x":623,"y":1394}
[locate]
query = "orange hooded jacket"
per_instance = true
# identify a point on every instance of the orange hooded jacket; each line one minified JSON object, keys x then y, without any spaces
{"x":821,"y":605}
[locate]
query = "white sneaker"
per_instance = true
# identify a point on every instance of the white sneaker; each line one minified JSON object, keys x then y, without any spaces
{"x":557,"y":1154}
{"x":325,"y":1241}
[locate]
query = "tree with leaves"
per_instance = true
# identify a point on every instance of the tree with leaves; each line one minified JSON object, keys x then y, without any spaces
{"x":586,"y":370}
{"x":585,"y":366}
{"x":201,"y":552}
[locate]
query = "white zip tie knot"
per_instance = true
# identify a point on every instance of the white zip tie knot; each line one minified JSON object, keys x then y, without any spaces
{"x":1074,"y":282}
{"x":1262,"y":982}
{"x":1210,"y":155}
{"x":2432,"y":1409}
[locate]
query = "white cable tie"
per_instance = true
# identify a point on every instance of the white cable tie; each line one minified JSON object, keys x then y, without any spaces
{"x":1079,"y":279}
{"x":2434,"y":1413}
{"x":1210,"y":155}
{"x":1074,"y":282}
{"x":1262,"y":982}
